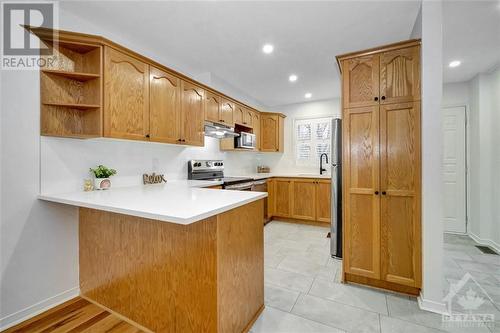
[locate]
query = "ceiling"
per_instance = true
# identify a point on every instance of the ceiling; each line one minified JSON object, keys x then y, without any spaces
{"x":226,"y":38}
{"x":471,"y":34}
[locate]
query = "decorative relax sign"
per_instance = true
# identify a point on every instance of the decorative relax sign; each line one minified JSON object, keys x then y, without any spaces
{"x":153,"y":179}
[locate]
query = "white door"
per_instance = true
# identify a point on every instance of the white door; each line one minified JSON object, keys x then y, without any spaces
{"x":454,"y":169}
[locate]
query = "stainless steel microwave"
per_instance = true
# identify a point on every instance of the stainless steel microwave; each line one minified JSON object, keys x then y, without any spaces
{"x":245,"y":140}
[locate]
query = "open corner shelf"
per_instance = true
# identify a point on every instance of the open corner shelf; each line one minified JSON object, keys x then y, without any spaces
{"x":79,"y":76}
{"x":71,"y":90}
{"x":77,"y":106}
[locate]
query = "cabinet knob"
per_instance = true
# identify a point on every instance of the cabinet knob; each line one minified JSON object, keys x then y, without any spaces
{"x":383,"y":98}
{"x":376,"y":192}
{"x":147,"y":135}
{"x":384,"y":192}
{"x":375,"y":99}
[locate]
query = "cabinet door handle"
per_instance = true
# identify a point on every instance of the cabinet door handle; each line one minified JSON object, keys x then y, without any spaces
{"x":384,"y":192}
{"x":383,"y":98}
{"x":375,"y":99}
{"x":147,"y":135}
{"x":376,"y":192}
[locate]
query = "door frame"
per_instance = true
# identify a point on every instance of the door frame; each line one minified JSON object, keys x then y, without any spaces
{"x":467,"y":166}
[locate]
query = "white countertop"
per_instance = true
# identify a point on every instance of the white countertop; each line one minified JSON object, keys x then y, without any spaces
{"x":257,"y":176}
{"x":178,"y":201}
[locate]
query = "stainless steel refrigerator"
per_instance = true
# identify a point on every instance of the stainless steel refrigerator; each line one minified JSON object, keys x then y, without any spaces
{"x":336,"y":165}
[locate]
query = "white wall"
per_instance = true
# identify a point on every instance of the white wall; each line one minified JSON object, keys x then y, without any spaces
{"x":432,"y":192}
{"x":39,"y":241}
{"x":455,"y":94}
{"x":285,"y":162}
{"x":484,"y":143}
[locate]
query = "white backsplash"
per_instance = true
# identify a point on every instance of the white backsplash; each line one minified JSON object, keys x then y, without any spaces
{"x":65,"y":163}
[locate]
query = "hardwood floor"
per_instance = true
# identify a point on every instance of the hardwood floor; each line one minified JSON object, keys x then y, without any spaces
{"x":75,"y":315}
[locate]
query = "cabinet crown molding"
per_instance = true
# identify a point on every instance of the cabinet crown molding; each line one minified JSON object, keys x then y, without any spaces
{"x":375,"y":50}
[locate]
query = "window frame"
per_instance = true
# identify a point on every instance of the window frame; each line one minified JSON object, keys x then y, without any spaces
{"x":311,"y":162}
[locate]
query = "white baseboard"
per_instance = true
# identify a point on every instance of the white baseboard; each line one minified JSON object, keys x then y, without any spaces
{"x":432,"y":306}
{"x":484,"y":241}
{"x":35,"y":309}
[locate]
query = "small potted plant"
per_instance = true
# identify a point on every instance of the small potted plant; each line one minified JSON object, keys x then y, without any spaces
{"x":102,"y":174}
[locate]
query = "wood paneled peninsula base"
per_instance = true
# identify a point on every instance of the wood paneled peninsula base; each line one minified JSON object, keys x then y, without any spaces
{"x":206,"y":276}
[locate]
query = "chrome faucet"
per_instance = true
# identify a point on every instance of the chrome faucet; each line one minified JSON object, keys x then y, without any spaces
{"x":321,"y":169}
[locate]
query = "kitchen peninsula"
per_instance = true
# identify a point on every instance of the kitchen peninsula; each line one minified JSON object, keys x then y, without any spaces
{"x":172,"y":257}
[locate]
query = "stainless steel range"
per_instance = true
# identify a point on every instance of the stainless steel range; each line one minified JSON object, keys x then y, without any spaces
{"x":214,"y":170}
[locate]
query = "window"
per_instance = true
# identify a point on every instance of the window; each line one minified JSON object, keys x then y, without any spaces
{"x":312,"y":138}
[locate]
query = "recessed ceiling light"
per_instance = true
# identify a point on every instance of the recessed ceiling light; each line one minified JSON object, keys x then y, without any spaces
{"x":454,"y":63}
{"x":292,"y":78}
{"x":268,"y":48}
{"x":308,"y":95}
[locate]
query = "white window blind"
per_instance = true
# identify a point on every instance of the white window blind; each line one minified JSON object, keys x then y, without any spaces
{"x":312,"y":137}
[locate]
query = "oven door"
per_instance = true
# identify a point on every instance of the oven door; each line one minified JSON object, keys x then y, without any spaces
{"x":240,"y":187}
{"x":245,"y":140}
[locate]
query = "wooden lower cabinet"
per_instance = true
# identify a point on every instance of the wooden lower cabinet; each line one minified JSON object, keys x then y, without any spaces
{"x":323,"y":200}
{"x":360,"y":183}
{"x":400,"y":200}
{"x":381,"y":202}
{"x":271,"y":196}
{"x":305,"y":199}
{"x":282,"y":198}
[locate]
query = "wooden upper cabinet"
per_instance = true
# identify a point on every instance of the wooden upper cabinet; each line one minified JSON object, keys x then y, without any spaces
{"x":226,"y":112}
{"x":360,"y":184}
{"x":282,"y":197}
{"x":400,"y":193}
{"x":256,"y":129}
{"x":271,"y":132}
{"x":323,"y":200}
{"x":192,"y":114}
{"x":304,"y":199}
{"x":212,"y":107}
{"x":126,"y":96}
{"x":248,"y":118}
{"x":164,"y":106}
{"x":239,"y":111}
{"x":400,"y":75}
{"x":360,"y":77}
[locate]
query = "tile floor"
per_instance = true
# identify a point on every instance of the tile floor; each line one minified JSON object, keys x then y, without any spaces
{"x":303,"y":292}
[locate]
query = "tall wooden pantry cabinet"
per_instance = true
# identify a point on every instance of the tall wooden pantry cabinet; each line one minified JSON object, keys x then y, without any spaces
{"x":382,"y":167}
